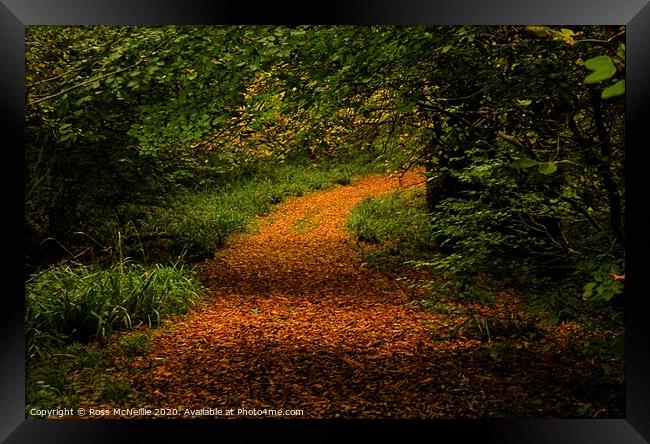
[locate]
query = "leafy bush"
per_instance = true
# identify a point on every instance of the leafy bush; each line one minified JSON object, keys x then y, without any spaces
{"x":527,"y":229}
{"x":504,"y":227}
{"x":601,"y":286}
{"x":83,"y":303}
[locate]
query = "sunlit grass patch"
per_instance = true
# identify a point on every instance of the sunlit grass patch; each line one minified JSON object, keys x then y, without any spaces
{"x":396,"y":224}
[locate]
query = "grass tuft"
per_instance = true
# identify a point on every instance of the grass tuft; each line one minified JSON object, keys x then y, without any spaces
{"x":83,"y":303}
{"x":397,"y":225}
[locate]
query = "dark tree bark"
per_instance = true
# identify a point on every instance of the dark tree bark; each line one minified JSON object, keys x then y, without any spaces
{"x":435,"y":186}
{"x":604,"y":169}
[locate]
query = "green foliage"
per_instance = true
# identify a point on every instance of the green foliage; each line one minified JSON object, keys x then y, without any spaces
{"x":84,"y":303}
{"x":44,"y":392}
{"x":440,"y":307}
{"x":62,"y":381}
{"x":617,"y":89}
{"x":115,"y":391}
{"x":196,"y":223}
{"x":602,"y":287}
{"x":547,"y":167}
{"x":524,"y":162}
{"x":110,"y":120}
{"x":507,"y":227}
{"x":397,"y":223}
{"x":65,"y":374}
{"x":603,"y":69}
{"x":604,"y":345}
{"x":480,"y":230}
{"x":135,"y":344}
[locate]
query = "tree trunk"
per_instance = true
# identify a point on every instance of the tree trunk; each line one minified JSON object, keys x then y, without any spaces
{"x":434,"y":186}
{"x":605,"y":171}
{"x":432,"y":190}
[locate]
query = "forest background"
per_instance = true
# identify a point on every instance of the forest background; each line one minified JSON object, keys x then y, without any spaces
{"x":148,"y":147}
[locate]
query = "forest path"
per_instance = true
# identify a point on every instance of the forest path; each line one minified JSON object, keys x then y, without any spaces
{"x":296,"y":320}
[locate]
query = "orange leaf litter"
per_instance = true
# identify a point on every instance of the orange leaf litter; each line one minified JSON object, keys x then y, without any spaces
{"x":295,"y":320}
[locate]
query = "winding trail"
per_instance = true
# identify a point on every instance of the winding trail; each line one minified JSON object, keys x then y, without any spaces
{"x":295,"y":320}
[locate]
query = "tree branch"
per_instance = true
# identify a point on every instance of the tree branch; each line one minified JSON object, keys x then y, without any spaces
{"x":82,"y":84}
{"x":103,"y":76}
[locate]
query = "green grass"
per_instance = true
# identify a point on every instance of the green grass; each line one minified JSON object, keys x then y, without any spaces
{"x":135,"y":344}
{"x":115,"y":390}
{"x":83,"y":303}
{"x":69,"y":375}
{"x":198,"y":223}
{"x":397,"y":225}
{"x":73,"y":311}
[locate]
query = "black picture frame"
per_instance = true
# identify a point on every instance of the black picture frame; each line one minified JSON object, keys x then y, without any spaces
{"x":635,"y":14}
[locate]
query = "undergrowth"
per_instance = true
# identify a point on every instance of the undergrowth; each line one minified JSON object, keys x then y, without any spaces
{"x":194,"y":222}
{"x":72,"y":374}
{"x":80,"y":314}
{"x":200,"y":222}
{"x":396,"y":225}
{"x":82,"y":303}
{"x":396,"y":231}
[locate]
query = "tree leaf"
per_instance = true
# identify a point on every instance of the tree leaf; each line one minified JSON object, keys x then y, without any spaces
{"x":406,"y":107}
{"x":547,"y":167}
{"x":588,"y":290}
{"x":617,"y":89}
{"x":599,"y":63}
{"x":524,"y":162}
{"x":599,"y":76}
{"x":603,"y":68}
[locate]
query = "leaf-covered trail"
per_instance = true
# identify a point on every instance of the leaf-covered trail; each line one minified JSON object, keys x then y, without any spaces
{"x":295,"y":320}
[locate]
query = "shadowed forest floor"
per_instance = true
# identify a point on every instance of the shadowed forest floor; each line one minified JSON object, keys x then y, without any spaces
{"x":296,"y":320}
